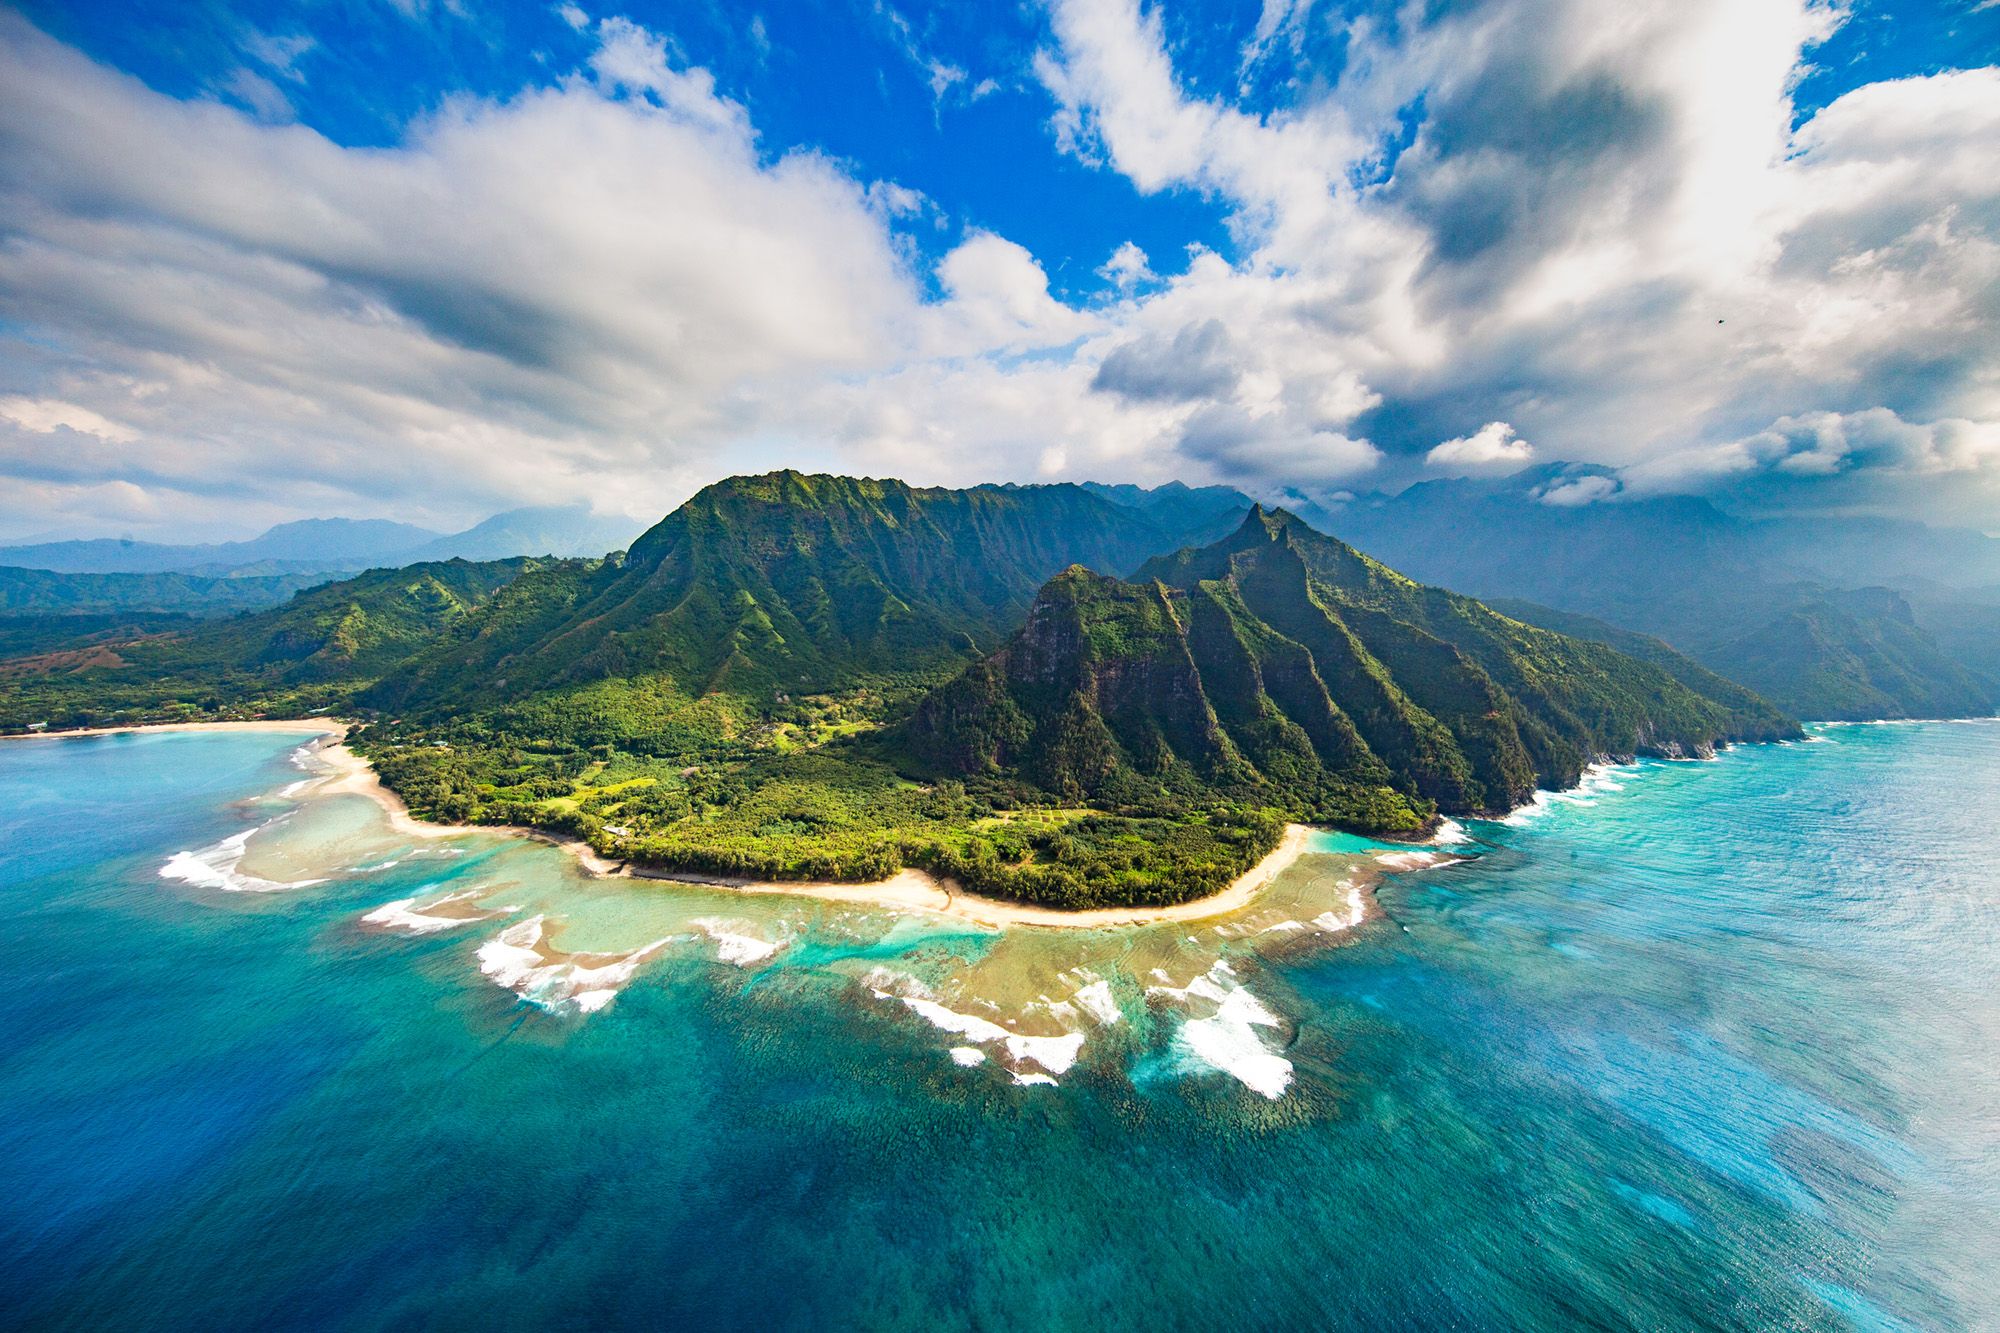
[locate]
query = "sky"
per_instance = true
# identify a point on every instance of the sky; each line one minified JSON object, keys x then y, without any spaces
{"x":431,"y":259}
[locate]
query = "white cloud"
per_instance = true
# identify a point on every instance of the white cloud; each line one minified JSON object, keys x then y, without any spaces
{"x":1128,"y":268}
{"x":259,"y":95}
{"x":1492,"y":446}
{"x":999,"y":299}
{"x":44,"y":416}
{"x":1579,"y":491}
{"x":1607,"y":230}
{"x":279,"y":53}
{"x":1606,"y":238}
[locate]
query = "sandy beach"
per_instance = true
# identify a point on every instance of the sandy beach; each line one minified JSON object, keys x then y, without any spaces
{"x":908,"y":890}
{"x":918,"y":890}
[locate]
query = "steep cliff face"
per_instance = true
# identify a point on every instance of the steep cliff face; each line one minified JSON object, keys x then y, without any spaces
{"x":1281,"y":666}
{"x":790,"y":583}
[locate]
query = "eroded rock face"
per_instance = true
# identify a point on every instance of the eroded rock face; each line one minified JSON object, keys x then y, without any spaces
{"x":1280,"y":664}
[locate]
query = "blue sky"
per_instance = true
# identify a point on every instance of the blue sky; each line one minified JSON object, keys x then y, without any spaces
{"x":942,"y":99}
{"x":1738,"y":247}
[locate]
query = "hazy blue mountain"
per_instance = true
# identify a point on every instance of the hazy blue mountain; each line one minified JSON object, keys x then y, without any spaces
{"x":557,"y":530}
{"x":319,"y":549}
{"x":1201,"y":514}
{"x":329,"y":544}
{"x":1807,"y":612}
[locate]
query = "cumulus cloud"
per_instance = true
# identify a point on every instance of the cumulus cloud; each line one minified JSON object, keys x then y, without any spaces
{"x":526,"y":298}
{"x":1610,"y":231}
{"x":1606,"y":237}
{"x":1128,"y":268}
{"x":1195,"y":364}
{"x":1492,"y":447}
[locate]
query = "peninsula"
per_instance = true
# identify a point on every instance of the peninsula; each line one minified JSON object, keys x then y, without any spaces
{"x":1029,"y":701}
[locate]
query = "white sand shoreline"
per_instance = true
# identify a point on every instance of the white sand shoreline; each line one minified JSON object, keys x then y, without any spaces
{"x":908,"y":890}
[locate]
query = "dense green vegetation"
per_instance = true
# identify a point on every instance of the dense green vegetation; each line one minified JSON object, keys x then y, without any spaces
{"x":842,"y":813}
{"x":37,"y":591}
{"x":796,"y":677}
{"x":1282,"y":669}
{"x":314,"y":654}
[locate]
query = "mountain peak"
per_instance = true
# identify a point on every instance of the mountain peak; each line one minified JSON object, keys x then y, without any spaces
{"x":1279,"y":666}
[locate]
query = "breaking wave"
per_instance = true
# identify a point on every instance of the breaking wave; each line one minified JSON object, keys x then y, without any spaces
{"x":733,"y":945}
{"x":413,"y":916}
{"x":215,"y":867}
{"x":1051,"y":1055}
{"x":520,"y":960}
{"x":1229,"y":1037}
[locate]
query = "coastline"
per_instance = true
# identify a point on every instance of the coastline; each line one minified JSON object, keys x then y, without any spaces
{"x":920,"y":890}
{"x":907,"y":890}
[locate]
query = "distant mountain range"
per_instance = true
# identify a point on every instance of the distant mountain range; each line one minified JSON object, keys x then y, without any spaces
{"x":1827,"y":617}
{"x":105,"y":576}
{"x":338,"y":544}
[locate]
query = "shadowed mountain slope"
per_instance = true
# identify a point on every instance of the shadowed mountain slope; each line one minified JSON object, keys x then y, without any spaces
{"x":788,"y":583}
{"x":1284,"y":662}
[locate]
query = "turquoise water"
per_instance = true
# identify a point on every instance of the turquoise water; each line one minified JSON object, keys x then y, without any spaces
{"x":1713,"y":1046}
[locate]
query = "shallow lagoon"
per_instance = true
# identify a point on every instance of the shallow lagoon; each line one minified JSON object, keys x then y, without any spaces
{"x":1704,"y":1045}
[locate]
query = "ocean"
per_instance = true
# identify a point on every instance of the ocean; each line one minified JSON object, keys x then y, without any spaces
{"x":1701,"y":1045}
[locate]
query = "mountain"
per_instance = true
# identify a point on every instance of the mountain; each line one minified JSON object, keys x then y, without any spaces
{"x":332,"y":546}
{"x":553,"y":530}
{"x":1202,"y":514}
{"x":37,"y":591}
{"x":311,"y":653}
{"x":763,"y":587}
{"x":797,"y":676}
{"x":314,"y":543}
{"x":1732,"y":593}
{"x":1644,"y":647}
{"x":1283,"y":667}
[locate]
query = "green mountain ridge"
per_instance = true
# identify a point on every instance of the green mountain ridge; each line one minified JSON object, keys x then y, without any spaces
{"x":798,"y":676}
{"x":1282,"y":666}
{"x":311,"y":653}
{"x":766,"y":587}
{"x":41,"y":592}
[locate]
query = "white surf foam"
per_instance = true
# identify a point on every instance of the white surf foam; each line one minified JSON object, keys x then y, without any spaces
{"x":1335,"y":920}
{"x":1596,"y":778}
{"x":733,"y":946}
{"x":1227,"y":1039}
{"x":406,"y":917}
{"x":517,"y":959}
{"x":214,"y":867}
{"x":1054,"y":1054}
{"x":1405,"y":862}
{"x":1098,"y":1002}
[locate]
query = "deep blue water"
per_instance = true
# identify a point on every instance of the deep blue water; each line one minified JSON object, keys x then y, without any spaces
{"x":1720,"y":1049}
